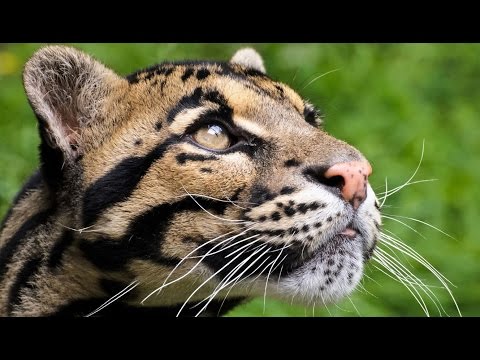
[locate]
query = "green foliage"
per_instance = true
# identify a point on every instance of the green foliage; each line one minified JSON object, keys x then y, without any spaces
{"x":385,"y":99}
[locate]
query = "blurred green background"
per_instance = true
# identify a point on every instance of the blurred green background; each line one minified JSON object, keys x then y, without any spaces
{"x":385,"y":99}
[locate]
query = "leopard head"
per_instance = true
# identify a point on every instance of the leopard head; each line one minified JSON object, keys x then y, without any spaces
{"x":201,"y":180}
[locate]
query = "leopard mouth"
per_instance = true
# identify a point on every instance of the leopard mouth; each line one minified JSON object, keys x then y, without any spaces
{"x":350,"y":232}
{"x":336,"y":245}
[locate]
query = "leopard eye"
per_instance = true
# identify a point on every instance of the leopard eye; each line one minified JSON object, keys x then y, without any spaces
{"x":213,"y":136}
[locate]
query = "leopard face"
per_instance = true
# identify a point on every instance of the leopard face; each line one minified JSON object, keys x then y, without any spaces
{"x":198,"y":181}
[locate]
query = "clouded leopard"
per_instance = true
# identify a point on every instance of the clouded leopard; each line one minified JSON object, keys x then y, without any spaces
{"x":182,"y":189}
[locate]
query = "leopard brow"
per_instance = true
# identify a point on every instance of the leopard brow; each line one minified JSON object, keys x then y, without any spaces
{"x":187,"y":117}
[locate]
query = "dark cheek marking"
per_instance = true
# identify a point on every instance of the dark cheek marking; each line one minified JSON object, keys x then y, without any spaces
{"x":273,"y":233}
{"x":329,"y":219}
{"x":289,"y":211}
{"x":158,"y":125}
{"x":269,"y":196}
{"x":206,"y":170}
{"x":276,"y":216}
{"x":292,"y":231}
{"x":182,"y":158}
{"x":260,"y":194}
{"x":236,"y":195}
{"x":313,"y":206}
{"x":287,"y":190}
{"x":303,"y":208}
{"x":138,"y":142}
{"x":60,"y":247}
{"x":292,"y":163}
{"x":119,"y":183}
{"x":144,"y":236}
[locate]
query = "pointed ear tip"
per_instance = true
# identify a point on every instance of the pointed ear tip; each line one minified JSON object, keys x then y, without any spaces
{"x":250,"y":58}
{"x":49,"y":54}
{"x":53,"y":51}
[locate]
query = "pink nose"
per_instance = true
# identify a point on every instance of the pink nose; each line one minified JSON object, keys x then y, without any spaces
{"x":355,"y":179}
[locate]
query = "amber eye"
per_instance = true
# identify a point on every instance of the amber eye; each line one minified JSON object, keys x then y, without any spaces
{"x":213,"y":136}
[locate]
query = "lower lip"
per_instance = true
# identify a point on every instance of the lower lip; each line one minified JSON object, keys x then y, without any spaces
{"x":349,"y":232}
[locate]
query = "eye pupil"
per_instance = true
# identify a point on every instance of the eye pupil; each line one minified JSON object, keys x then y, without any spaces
{"x":213,"y":136}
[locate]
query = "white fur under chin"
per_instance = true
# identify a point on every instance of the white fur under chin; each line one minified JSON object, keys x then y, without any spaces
{"x":308,"y":284}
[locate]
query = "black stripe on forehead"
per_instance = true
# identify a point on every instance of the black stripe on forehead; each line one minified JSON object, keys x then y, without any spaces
{"x":204,"y":69}
{"x":166,"y":68}
{"x":196,"y":99}
{"x":161,"y":69}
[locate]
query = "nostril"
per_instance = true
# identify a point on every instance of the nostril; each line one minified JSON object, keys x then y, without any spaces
{"x":316,"y":174}
{"x":334,"y":181}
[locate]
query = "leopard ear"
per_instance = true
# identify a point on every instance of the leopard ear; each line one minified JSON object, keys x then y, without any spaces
{"x":249,"y":58}
{"x":66,"y":89}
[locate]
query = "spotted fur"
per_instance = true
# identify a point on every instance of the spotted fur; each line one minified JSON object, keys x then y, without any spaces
{"x":124,"y":199}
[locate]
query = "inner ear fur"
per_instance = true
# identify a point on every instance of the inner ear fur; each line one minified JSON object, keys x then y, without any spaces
{"x":67,"y":89}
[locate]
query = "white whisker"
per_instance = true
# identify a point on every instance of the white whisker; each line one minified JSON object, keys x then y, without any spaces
{"x":407,"y":286}
{"x":268,"y":276}
{"x":209,"y":278}
{"x":412,"y":279}
{"x":398,"y":188}
{"x":226,"y":280}
{"x":115,"y":297}
{"x":407,"y":226}
{"x":208,"y":212}
{"x":422,"y":222}
{"x":165,"y":284}
{"x":320,"y":76}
